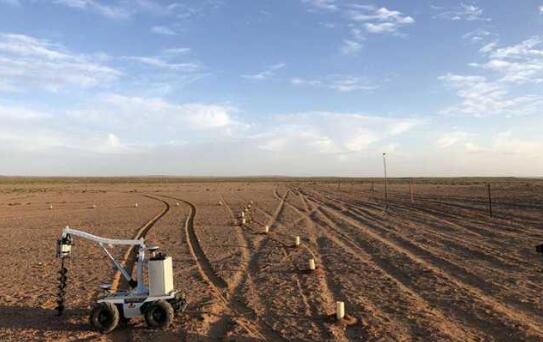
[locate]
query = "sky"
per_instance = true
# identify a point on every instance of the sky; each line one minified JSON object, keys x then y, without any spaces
{"x":271,"y":87}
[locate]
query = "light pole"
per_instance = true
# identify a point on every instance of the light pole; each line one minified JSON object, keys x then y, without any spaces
{"x":386,"y":181}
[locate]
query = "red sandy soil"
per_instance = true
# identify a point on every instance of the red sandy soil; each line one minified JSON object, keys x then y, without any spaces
{"x":437,"y":268}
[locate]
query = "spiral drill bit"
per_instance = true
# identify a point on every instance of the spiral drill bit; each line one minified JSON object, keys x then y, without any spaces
{"x":63,"y":281}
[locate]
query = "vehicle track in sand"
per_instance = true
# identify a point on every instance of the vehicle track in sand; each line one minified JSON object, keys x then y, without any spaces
{"x":128,"y":262}
{"x":262,"y":244}
{"x":237,"y":310}
{"x":490,"y":240}
{"x":448,"y":239}
{"x":384,"y":315}
{"x":485,"y":313}
{"x":322,"y":302}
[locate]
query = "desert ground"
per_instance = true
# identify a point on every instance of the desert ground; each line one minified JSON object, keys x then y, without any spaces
{"x":432,"y":266}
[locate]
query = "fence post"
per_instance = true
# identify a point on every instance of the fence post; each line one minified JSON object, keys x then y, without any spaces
{"x":489,"y":200}
{"x":386,"y":180}
{"x":411,"y":191}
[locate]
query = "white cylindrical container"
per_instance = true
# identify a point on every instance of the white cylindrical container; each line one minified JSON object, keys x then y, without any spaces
{"x":297,"y":241}
{"x":135,"y":205}
{"x":340,"y":310}
{"x":243,"y":220}
{"x":267,"y":229}
{"x":160,"y":276}
{"x":51,"y":207}
{"x":312,"y":266}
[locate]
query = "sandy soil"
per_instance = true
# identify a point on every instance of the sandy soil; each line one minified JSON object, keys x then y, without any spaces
{"x":435,"y":268}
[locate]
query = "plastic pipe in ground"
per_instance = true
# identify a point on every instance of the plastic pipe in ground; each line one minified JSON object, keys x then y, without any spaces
{"x":312,"y":266}
{"x":340,"y":310}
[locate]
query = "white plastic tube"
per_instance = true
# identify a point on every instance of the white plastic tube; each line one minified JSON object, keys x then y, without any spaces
{"x":312,"y":265}
{"x":340,"y":310}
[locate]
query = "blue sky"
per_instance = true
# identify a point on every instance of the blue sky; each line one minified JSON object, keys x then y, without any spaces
{"x":278,"y":87}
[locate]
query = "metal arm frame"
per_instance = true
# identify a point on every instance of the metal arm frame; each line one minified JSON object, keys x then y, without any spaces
{"x":103,"y":242}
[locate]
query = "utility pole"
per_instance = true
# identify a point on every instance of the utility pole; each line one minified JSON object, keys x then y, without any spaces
{"x":386,"y":180}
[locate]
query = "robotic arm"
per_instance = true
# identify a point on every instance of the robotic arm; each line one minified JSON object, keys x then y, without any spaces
{"x":64,"y":249}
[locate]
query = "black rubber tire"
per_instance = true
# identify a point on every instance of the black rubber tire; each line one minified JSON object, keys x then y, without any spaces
{"x":159,"y":315}
{"x":104,"y":317}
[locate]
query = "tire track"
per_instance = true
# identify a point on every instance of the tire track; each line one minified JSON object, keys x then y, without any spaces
{"x":241,"y":314}
{"x":482,"y":249}
{"x":382,"y":312}
{"x":451,"y":265}
{"x":128,"y":261}
{"x":516,"y":324}
{"x":289,"y":254}
{"x":469,"y":253}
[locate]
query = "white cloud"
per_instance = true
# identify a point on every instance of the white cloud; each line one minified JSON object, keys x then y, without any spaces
{"x":520,"y":63}
{"x":481,"y":97}
{"x":452,"y":138}
{"x":363,"y":20}
{"x":131,"y":111}
{"x":350,"y":47}
{"x":495,"y":145}
{"x":488,"y":47}
{"x":507,"y":143}
{"x":178,"y":51}
{"x":468,"y":12}
{"x":499,"y":93}
{"x":377,"y":20}
{"x":164,"y":30}
{"x":330,"y":5}
{"x":113,"y":123}
{"x":267,"y":74}
{"x":163,"y":64}
{"x":101,"y":8}
{"x":330,"y":133}
{"x":477,"y":36}
{"x":27,"y":62}
{"x":339,"y":83}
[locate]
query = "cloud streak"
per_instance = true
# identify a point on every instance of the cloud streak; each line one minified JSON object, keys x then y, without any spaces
{"x":498,"y":92}
{"x":266,"y":74}
{"x":339,"y":83}
{"x":27,"y":62}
